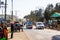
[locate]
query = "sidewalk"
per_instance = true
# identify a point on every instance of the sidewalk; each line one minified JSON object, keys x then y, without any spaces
{"x":19,"y":36}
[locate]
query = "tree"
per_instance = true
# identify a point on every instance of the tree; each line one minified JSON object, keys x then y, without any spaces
{"x":48,"y":11}
{"x":38,"y":12}
{"x":57,"y":7}
{"x":52,"y":11}
{"x":35,"y":16}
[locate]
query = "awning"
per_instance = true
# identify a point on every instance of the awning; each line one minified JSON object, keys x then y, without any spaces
{"x":55,"y":15}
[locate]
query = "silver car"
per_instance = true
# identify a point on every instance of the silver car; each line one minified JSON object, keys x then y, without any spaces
{"x":39,"y":25}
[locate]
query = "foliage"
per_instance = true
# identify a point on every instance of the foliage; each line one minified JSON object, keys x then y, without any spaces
{"x":48,"y":11}
{"x":36,"y":15}
{"x":57,"y":7}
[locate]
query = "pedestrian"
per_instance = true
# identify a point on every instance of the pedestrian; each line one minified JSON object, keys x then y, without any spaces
{"x":5,"y":31}
{"x":16,"y":26}
{"x":12,"y":29}
{"x":1,"y":33}
{"x":21,"y":27}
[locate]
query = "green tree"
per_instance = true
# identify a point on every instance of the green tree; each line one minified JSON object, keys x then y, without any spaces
{"x":57,"y":7}
{"x":48,"y":11}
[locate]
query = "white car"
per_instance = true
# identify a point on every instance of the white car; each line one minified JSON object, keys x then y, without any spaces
{"x":39,"y":25}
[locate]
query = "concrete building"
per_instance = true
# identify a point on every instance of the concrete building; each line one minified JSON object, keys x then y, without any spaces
{"x":8,"y":17}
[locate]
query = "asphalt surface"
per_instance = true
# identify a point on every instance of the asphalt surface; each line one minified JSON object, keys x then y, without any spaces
{"x":42,"y":34}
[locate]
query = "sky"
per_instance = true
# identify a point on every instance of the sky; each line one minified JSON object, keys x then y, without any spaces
{"x":24,"y":7}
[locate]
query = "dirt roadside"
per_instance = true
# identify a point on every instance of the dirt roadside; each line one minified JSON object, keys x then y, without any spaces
{"x":19,"y":36}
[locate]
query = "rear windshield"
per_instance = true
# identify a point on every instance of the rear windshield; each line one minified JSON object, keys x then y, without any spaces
{"x":39,"y":23}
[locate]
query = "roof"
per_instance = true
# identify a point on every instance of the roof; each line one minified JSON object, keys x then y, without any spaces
{"x":55,"y":15}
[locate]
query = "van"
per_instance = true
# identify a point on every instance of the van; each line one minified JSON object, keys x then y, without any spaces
{"x":29,"y":25}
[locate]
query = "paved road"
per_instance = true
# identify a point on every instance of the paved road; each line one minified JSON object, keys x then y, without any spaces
{"x":46,"y":34}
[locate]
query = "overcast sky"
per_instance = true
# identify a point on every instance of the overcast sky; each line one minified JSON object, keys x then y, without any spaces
{"x":23,"y":7}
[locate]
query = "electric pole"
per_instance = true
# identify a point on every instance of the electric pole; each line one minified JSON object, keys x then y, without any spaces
{"x":16,"y":15}
{"x":0,"y":2}
{"x":5,"y":8}
{"x":12,"y":8}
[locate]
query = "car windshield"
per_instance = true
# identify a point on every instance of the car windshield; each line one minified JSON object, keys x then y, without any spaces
{"x":29,"y":23}
{"x":39,"y":23}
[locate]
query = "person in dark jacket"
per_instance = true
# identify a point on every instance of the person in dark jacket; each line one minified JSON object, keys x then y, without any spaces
{"x":12,"y":30}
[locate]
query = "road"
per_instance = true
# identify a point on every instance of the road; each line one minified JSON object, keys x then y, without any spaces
{"x":46,"y":34}
{"x":37,"y":34}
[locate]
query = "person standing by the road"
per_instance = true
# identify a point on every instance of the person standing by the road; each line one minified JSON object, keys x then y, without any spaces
{"x":12,"y":29}
{"x":5,"y":31}
{"x":1,"y":33}
{"x":21,"y":26}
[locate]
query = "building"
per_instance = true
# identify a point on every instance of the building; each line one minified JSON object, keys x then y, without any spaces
{"x":8,"y":17}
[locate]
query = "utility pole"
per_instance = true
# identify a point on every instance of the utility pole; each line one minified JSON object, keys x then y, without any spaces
{"x":2,"y":13}
{"x":12,"y":8}
{"x":5,"y":8}
{"x":16,"y":15}
{"x":0,"y":2}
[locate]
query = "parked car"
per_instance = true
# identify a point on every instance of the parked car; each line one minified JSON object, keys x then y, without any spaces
{"x":29,"y":25}
{"x":39,"y":25}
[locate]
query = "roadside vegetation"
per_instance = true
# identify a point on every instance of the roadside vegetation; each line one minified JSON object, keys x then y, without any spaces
{"x":43,"y":15}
